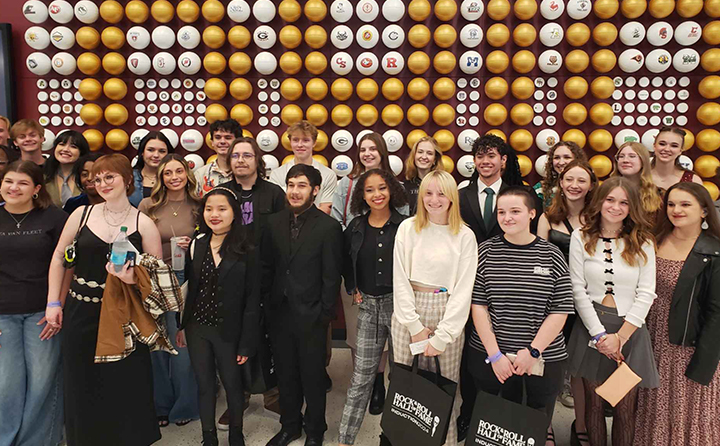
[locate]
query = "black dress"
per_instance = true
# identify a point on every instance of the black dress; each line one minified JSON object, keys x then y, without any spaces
{"x":105,"y":404}
{"x":562,"y":241}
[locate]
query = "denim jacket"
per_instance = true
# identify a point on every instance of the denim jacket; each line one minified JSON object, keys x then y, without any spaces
{"x":137,"y":195}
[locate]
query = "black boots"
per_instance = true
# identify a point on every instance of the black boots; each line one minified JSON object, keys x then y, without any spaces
{"x":210,"y":438}
{"x":377,"y":400}
{"x":236,"y":436}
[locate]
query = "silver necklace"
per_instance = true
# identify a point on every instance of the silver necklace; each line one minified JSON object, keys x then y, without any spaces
{"x":18,"y":223}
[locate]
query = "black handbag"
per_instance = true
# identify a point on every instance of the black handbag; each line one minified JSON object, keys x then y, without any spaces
{"x":418,"y":405}
{"x":258,"y":373}
{"x":497,"y":421}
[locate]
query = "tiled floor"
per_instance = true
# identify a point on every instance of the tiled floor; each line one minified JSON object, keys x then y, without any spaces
{"x":261,"y":425}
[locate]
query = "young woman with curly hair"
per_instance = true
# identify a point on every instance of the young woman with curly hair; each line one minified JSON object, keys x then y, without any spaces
{"x":632,"y":161}
{"x":559,"y":156}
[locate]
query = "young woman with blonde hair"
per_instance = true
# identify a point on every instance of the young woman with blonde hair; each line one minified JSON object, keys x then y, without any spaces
{"x":632,"y":161}
{"x":424,"y":157}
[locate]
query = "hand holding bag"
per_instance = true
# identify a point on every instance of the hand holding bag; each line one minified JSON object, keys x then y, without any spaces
{"x":619,"y":384}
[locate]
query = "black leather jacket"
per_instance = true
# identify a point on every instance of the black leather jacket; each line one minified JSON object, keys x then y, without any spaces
{"x":694,"y":319}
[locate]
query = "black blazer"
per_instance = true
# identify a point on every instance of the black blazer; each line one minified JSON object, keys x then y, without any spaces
{"x":695,"y":309}
{"x":238,"y":294}
{"x":309,"y":273}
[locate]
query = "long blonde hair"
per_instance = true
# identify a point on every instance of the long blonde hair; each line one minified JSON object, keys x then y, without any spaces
{"x":651,"y":200}
{"x":411,"y":171}
{"x":158,"y":196}
{"x":447,"y":185}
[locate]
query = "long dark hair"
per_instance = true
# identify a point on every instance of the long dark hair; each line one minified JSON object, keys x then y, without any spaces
{"x":381,"y":149}
{"x":236,"y":242}
{"x":398,"y":197}
{"x":143,"y":142}
{"x":664,"y":227}
{"x":80,"y":165}
{"x":259,"y":161}
{"x":35,"y":172}
{"x":558,"y":210}
{"x":52,"y":165}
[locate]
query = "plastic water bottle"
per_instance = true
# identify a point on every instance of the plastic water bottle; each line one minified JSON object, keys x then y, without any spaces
{"x":120,"y":247}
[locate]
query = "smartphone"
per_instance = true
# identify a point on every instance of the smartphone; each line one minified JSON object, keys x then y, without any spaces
{"x":130,"y":258}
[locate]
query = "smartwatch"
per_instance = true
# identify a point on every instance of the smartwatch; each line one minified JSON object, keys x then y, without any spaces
{"x":535,"y":353}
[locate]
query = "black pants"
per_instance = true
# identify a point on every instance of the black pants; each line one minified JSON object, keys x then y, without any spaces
{"x":467,"y":382}
{"x":541,"y":390}
{"x":300,"y":351}
{"x":209,"y":353}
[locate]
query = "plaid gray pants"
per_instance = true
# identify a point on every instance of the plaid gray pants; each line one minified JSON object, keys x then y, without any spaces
{"x":373,"y":329}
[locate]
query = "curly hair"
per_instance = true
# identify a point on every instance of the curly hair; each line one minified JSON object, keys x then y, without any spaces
{"x":550,"y":181}
{"x":398,"y":197}
{"x":651,"y":200}
{"x":558,"y":210}
{"x":511,"y":172}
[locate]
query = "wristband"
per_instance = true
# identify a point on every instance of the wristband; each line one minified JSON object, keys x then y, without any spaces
{"x":494,"y":358}
{"x":598,"y":336}
{"x":55,"y":303}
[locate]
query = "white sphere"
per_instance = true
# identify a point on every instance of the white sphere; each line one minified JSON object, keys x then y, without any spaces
{"x":393,"y":10}
{"x":686,"y":60}
{"x":172,"y":136}
{"x":393,"y":63}
{"x":265,"y":63}
{"x":632,"y":33}
{"x":35,"y":11}
{"x":48,"y":142}
{"x":471,"y":35}
{"x":164,"y":63}
{"x":192,"y":140}
{"x":341,"y":165}
{"x":648,"y":139}
{"x":87,"y":11}
{"x":342,"y":140}
{"x":264,"y":37}
{"x":367,"y":36}
{"x":188,"y":37}
{"x":466,"y":139}
{"x":658,"y":60}
{"x":271,"y":162}
{"x":367,"y":63}
{"x":163,"y":37}
{"x":62,"y":37}
{"x":551,"y":34}
{"x":472,"y":10}
{"x":137,"y":136}
{"x":659,"y":33}
{"x":631,"y":60}
{"x":138,"y":37}
{"x":578,"y":9}
{"x":626,"y":135}
{"x":64,"y":63}
{"x":341,"y":37}
{"x":546,"y":138}
{"x":393,"y":36}
{"x":393,"y":140}
{"x":39,"y":63}
{"x":238,"y":11}
{"x":688,"y":33}
{"x":686,"y":162}
{"x":341,"y":63}
{"x":470,"y":62}
{"x":341,"y":10}
{"x":367,"y":10}
{"x":552,"y":9}
{"x":466,"y":165}
{"x":189,"y":63}
{"x":550,"y":61}
{"x":264,"y":11}
{"x":195,"y":161}
{"x":396,"y":164}
{"x":360,"y":134}
{"x":37,"y":38}
{"x":61,"y":11}
{"x":267,"y":140}
{"x":540,"y":163}
{"x":139,"y":63}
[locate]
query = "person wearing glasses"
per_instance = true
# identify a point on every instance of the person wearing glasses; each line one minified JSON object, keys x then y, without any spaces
{"x":111,"y":400}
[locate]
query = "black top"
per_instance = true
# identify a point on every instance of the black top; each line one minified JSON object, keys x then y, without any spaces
{"x":368,"y":268}
{"x":206,"y":310}
{"x":562,"y":240}
{"x":266,"y":198}
{"x":25,"y":259}
{"x":411,"y":188}
{"x":147,"y":191}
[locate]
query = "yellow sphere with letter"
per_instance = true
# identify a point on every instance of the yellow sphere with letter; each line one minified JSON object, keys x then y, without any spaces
{"x":445,"y":9}
{"x":321,"y":159}
{"x":215,"y":112}
{"x":418,"y":62}
{"x":116,"y":114}
{"x":604,"y":61}
{"x":392,"y":115}
{"x":444,"y":88}
{"x":239,"y":37}
{"x":602,"y":87}
{"x":712,"y":189}
{"x":524,"y":35}
{"x":577,"y":61}
{"x":575,"y":113}
{"x":367,"y":89}
{"x":445,"y":139}
{"x":188,"y":11}
{"x":137,"y":11}
{"x":316,"y":89}
{"x":600,"y":140}
{"x":113,"y":38}
{"x":393,"y":89}
{"x":90,"y":89}
{"x":712,"y":8}
{"x":320,"y":143}
{"x":575,"y":87}
{"x":577,"y":34}
{"x":242,"y":114}
{"x":290,"y":62}
{"x":94,"y":138}
{"x":214,"y":37}
{"x":601,"y":113}
{"x":213,"y":11}
{"x":117,"y":139}
{"x":526,"y":165}
{"x":708,"y":140}
{"x":497,"y":62}
{"x":113,"y":63}
{"x":342,"y":115}
{"x":521,"y":114}
{"x":114,"y":88}
{"x":689,"y":8}
{"x":215,"y":89}
{"x":444,"y":36}
{"x":521,"y":140}
{"x":604,"y":34}
{"x":241,"y":88}
{"x":239,"y":63}
{"x":523,"y":61}
{"x":525,"y":9}
{"x":706,"y":165}
{"x":633,"y":9}
{"x":315,"y":37}
{"x":317,"y":114}
{"x":88,"y":64}
{"x":710,"y":33}
{"x":290,"y":36}
{"x":418,"y":114}
{"x":315,"y":10}
{"x":418,"y":89}
{"x":606,"y":8}
{"x":419,"y":36}
{"x":601,"y":165}
{"x":414,"y":136}
{"x":291,"y":89}
{"x":91,"y":114}
{"x":497,"y":132}
{"x":419,"y":10}
{"x":214,"y":63}
{"x":444,"y":62}
{"x":289,"y":10}
{"x":111,"y":11}
{"x":162,"y":11}
{"x":661,"y":8}
{"x":576,"y":136}
{"x":341,"y":89}
{"x":495,"y":114}
{"x":291,"y":114}
{"x":497,"y":35}
{"x":366,"y":115}
{"x":316,"y":62}
{"x":443,"y":115}
{"x":448,"y":164}
{"x":522,"y":88}
{"x":87,"y":37}
{"x":709,"y":87}
{"x":709,"y":113}
{"x":710,"y":60}
{"x":496,"y":88}
{"x":498,"y":9}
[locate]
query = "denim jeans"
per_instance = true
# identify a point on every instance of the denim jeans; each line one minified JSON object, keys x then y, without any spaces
{"x":31,"y":399}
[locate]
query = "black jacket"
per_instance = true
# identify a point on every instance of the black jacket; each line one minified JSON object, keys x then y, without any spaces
{"x":354,"y":237}
{"x":412,"y":188}
{"x":267,"y":199}
{"x":238,"y":294}
{"x":306,"y":272}
{"x":695,"y":310}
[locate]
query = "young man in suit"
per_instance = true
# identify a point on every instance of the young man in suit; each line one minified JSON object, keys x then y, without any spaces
{"x":301,"y":253}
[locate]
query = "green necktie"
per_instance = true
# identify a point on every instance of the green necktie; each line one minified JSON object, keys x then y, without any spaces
{"x":488,"y":210}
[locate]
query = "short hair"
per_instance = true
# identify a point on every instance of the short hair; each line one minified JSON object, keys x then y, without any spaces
{"x":151,"y":136}
{"x":35,"y":172}
{"x":304,"y":127}
{"x":80,"y":165}
{"x":10,"y":153}
{"x":488,"y":142}
{"x":226,"y":125}
{"x":522,"y":192}
{"x":261,"y":168}
{"x":398,"y":196}
{"x":24,"y":125}
{"x":52,"y":165}
{"x":511,"y":175}
{"x":448,"y":186}
{"x":312,"y":174}
{"x":116,"y":163}
{"x":6,"y":121}
{"x":411,"y":170}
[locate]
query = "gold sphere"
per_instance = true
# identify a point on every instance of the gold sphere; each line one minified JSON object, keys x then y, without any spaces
{"x":188,"y":11}
{"x":661,"y":8}
{"x":316,"y":89}
{"x":523,"y":61}
{"x":709,"y":114}
{"x":576,"y":136}
{"x":444,"y":88}
{"x":114,"y":89}
{"x":710,"y":33}
{"x":709,"y":87}
{"x":239,"y":63}
{"x":241,"y":88}
{"x":419,"y":10}
{"x":604,"y":34}
{"x":94,"y":138}
{"x":290,"y":114}
{"x":214,"y":37}
{"x":392,"y":115}
{"x":315,"y":10}
{"x":495,"y":114}
{"x":602,"y":87}
{"x":445,"y":10}
{"x":116,"y":114}
{"x":577,"y":34}
{"x":497,"y":61}
{"x":117,"y":139}
{"x":497,"y":132}
{"x":496,"y":88}
{"x":366,"y":115}
{"x":600,"y":140}
{"x":289,"y":10}
{"x":87,"y":37}
{"x":392,"y":89}
{"x":525,"y":9}
{"x":290,"y":36}
{"x":214,"y":63}
{"x":419,"y":36}
{"x":162,"y":11}
{"x":521,"y":140}
{"x":113,"y":38}
{"x":320,"y":143}
{"x":137,"y":11}
{"x":712,"y":8}
{"x":342,"y":115}
{"x":498,"y":9}
{"x":418,"y":62}
{"x":215,"y":112}
{"x":215,"y":89}
{"x":414,"y":136}
{"x":341,"y":89}
{"x":111,"y":11}
{"x":90,"y":89}
{"x":315,"y":37}
{"x":445,"y":36}
{"x":213,"y":11}
{"x":575,"y":87}
{"x":239,"y":37}
{"x":706,"y":166}
{"x":708,"y":140}
{"x":524,"y":35}
{"x":290,"y":62}
{"x":712,"y":189}
{"x":606,"y":9}
{"x":321,"y":159}
{"x":689,"y":8}
{"x":242,"y":114}
{"x":577,"y":61}
{"x":448,"y":164}
{"x":113,"y":63}
{"x":604,"y":61}
{"x":316,"y":63}
{"x":526,"y":165}
{"x":522,"y":88}
{"x":445,"y":139}
{"x":710,"y":60}
{"x":367,"y":89}
{"x":601,"y":113}
{"x":521,"y":114}
{"x":497,"y":35}
{"x":317,"y":114}
{"x":88,"y":64}
{"x":601,"y":165}
{"x":291,"y":89}
{"x":91,"y":114}
{"x":418,"y":114}
{"x":689,"y":140}
{"x":418,"y":89}
{"x":575,"y":114}
{"x":444,"y":62}
{"x":443,"y":115}
{"x":633,"y":9}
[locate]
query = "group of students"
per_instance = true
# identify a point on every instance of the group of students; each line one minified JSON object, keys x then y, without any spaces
{"x":496,"y":276}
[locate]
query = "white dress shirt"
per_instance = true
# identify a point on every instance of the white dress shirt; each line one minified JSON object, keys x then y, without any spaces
{"x":482,"y":196}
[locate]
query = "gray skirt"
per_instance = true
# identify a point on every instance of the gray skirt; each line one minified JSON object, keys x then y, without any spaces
{"x":586,"y":362}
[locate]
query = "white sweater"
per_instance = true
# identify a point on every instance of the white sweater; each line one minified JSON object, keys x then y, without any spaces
{"x":434,"y":258}
{"x":634,"y":286}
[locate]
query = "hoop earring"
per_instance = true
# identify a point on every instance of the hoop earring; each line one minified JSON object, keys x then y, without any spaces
{"x":35,"y":196}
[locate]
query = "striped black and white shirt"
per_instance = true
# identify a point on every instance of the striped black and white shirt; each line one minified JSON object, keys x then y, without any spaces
{"x":521,"y":286}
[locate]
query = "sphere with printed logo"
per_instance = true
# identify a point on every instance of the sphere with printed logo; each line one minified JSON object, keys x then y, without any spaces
{"x":393,"y":63}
